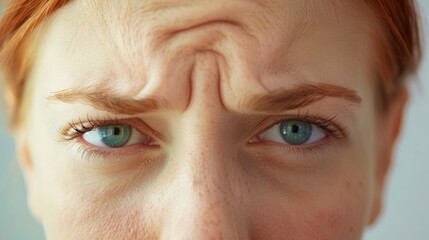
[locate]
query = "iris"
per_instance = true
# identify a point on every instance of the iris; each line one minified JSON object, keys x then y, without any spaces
{"x":115,"y":135}
{"x":295,"y":132}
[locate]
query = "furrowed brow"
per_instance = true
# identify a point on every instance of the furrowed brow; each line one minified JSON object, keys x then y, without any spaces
{"x":300,"y":96}
{"x":108,"y":100}
{"x":282,"y":100}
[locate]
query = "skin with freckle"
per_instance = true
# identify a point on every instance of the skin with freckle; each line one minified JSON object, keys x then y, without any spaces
{"x":212,"y":169}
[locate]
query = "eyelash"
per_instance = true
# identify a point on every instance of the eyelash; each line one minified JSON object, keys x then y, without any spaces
{"x":327,"y":124}
{"x":314,"y":151}
{"x":74,"y":130}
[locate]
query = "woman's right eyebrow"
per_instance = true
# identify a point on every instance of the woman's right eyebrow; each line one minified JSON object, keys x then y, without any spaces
{"x":106,"y":99}
{"x":282,"y":100}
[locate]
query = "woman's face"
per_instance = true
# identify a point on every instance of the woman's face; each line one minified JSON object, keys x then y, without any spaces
{"x":204,"y":120}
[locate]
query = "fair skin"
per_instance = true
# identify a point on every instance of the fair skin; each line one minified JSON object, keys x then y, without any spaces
{"x":205,"y":159}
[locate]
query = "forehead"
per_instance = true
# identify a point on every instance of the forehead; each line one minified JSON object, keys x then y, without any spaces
{"x":141,"y":47}
{"x":277,"y":25}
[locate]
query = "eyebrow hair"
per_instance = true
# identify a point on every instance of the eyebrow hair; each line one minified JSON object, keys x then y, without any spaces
{"x":106,"y":99}
{"x":300,"y":96}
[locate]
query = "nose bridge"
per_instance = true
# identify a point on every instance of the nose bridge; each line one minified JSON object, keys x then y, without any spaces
{"x":201,"y":208}
{"x":204,"y":205}
{"x":203,"y":200}
{"x":203,"y":154}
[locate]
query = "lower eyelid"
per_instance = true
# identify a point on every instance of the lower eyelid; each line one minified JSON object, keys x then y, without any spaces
{"x":105,"y":160}
{"x":325,"y":149}
{"x":90,"y":153}
{"x":330,"y":126}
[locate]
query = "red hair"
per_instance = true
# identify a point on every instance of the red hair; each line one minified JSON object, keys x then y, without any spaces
{"x":403,"y":53}
{"x":20,"y":19}
{"x":400,"y":59}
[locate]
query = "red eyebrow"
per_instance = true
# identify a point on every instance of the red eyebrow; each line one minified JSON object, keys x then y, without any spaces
{"x":300,"y":96}
{"x":107,"y":99}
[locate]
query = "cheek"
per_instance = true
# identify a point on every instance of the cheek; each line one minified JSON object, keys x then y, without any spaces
{"x":81,"y":207}
{"x":335,"y":212}
{"x":75,"y":204}
{"x":99,"y":221}
{"x":326,"y":202}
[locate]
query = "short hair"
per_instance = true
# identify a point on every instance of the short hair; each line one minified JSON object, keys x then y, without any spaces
{"x":397,"y":60}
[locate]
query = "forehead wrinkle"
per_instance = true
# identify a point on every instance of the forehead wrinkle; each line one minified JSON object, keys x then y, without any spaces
{"x":114,"y":25}
{"x":94,"y":23}
{"x":195,"y":13}
{"x":335,"y":16}
{"x":129,"y":39}
{"x":299,"y":24}
{"x":294,"y":35}
{"x":155,"y":6}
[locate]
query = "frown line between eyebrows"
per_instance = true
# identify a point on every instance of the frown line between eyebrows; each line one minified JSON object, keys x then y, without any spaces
{"x":281,"y":100}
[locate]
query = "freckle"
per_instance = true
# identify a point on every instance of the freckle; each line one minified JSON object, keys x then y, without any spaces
{"x":351,"y":229}
{"x":360,"y":184}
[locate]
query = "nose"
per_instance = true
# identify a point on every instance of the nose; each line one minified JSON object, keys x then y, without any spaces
{"x":204,"y":197}
{"x":202,"y":203}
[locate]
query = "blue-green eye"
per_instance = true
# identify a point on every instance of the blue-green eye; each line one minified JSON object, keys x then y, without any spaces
{"x":114,"y":136}
{"x":293,"y":132}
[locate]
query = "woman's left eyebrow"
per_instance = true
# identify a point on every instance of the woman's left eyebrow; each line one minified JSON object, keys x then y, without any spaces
{"x":300,"y":96}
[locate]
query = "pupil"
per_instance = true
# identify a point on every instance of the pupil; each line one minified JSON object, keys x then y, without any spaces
{"x":116,"y":131}
{"x":295,"y":128}
{"x":295,"y":132}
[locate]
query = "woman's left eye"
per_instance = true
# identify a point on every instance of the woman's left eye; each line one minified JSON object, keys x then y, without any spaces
{"x":293,"y":132}
{"x":115,"y":136}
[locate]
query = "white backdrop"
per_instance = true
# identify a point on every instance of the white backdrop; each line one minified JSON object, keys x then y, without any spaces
{"x":405,"y":216}
{"x":406,"y":213}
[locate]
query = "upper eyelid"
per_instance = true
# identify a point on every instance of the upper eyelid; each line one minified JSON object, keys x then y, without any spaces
{"x":339,"y":132}
{"x":135,"y":123}
{"x":82,"y":126}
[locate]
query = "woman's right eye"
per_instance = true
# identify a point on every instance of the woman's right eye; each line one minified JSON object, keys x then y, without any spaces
{"x":116,"y":136}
